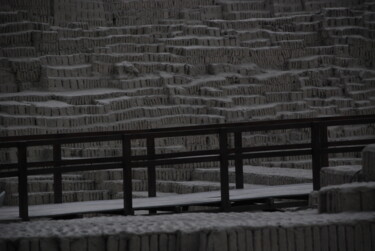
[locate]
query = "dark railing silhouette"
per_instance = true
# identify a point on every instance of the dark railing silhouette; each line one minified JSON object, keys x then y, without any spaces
{"x":319,"y":148}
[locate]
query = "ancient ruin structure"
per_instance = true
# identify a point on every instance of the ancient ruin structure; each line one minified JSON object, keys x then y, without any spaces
{"x":104,"y":65}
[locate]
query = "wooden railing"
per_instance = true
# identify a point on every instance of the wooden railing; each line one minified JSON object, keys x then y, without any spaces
{"x":319,"y":147}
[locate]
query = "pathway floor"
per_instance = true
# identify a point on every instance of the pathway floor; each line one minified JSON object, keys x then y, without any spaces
{"x":10,"y":213}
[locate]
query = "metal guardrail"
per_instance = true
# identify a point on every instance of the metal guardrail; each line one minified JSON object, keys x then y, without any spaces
{"x":318,"y":148}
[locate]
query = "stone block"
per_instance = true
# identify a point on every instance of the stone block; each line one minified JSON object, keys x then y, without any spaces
{"x":188,"y":241}
{"x":241,"y":240}
{"x":249,"y":240}
{"x":78,"y":244}
{"x":49,"y":244}
{"x":145,"y":243}
{"x":64,"y":244}
{"x":347,"y":197}
{"x":217,"y":241}
{"x":339,"y":175}
{"x":368,"y":162}
{"x":23,"y":245}
{"x":96,"y":243}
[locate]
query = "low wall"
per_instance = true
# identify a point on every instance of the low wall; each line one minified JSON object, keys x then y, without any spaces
{"x":302,"y":230}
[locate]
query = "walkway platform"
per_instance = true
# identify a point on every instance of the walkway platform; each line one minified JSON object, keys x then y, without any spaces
{"x":10,"y":213}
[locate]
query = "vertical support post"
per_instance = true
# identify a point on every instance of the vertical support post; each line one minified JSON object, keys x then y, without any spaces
{"x":238,"y":160}
{"x":127,"y":175}
{"x":319,"y":141}
{"x":57,"y":177}
{"x":22,"y":182}
{"x":151,"y":172}
{"x":224,"y":172}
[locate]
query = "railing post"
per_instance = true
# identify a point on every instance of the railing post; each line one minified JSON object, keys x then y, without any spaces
{"x":238,"y":159}
{"x":22,"y":182}
{"x":127,"y":175}
{"x":151,"y":173}
{"x":224,"y":172}
{"x":57,"y":177}
{"x":319,"y":141}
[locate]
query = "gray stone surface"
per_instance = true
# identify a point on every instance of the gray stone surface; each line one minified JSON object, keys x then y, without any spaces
{"x":347,"y":197}
{"x":73,"y":66}
{"x":337,"y":175}
{"x":290,"y":231}
{"x":368,"y":159}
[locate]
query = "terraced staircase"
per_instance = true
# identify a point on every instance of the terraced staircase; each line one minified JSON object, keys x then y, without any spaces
{"x":74,"y":66}
{"x":75,"y":188}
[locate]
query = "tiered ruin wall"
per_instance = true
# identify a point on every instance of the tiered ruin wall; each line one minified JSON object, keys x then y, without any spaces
{"x":73,"y":66}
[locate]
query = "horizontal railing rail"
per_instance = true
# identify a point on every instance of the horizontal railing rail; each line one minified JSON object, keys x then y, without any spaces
{"x":319,"y":147}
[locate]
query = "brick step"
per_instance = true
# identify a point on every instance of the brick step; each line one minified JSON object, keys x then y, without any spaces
{"x":243,"y":5}
{"x":306,"y":164}
{"x":338,"y":50}
{"x":67,"y":70}
{"x":19,"y":52}
{"x":340,"y":34}
{"x":318,"y":61}
{"x":307,"y":26}
{"x":176,"y":174}
{"x":322,"y":92}
{"x":178,"y":187}
{"x":148,"y":81}
{"x":291,"y":44}
{"x":253,"y":23}
{"x":135,"y":48}
{"x":65,"y":60}
{"x":29,"y":38}
{"x":238,"y":15}
{"x":142,"y":194}
{"x":289,"y":8}
{"x":308,"y":113}
{"x":57,"y":121}
{"x":258,"y":175}
{"x":13,"y":16}
{"x":353,"y":197}
{"x":8,"y":88}
{"x":196,"y":41}
{"x":175,"y":68}
{"x":362,"y":95}
{"x":292,"y":164}
{"x":309,"y":38}
{"x":318,"y":5}
{"x":294,"y":96}
{"x":159,"y":111}
{"x":256,"y":43}
{"x":330,"y":110}
{"x":22,"y":26}
{"x":343,"y":21}
{"x":338,"y":12}
{"x":266,"y":111}
{"x":71,"y":196}
{"x":124,"y":102}
{"x":25,"y":109}
{"x":65,"y":177}
{"x":245,"y":89}
{"x":108,"y":60}
{"x":351,"y":132}
{"x":130,"y":124}
{"x":76,"y":83}
{"x":337,"y":175}
{"x":208,"y":51}
{"x":350,"y":87}
{"x":35,"y":186}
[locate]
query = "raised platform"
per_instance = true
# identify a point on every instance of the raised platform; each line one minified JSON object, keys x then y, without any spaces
{"x":302,"y":230}
{"x":158,"y":203}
